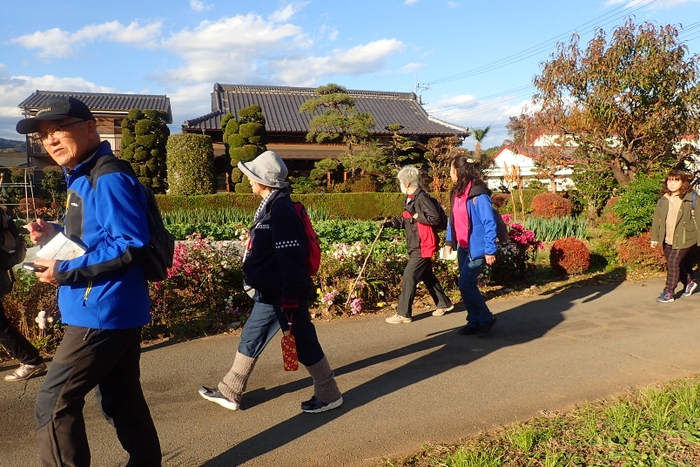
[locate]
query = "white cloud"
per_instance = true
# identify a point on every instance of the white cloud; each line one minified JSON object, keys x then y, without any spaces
{"x":411,"y":68}
{"x":468,"y":111}
{"x":198,"y":5}
{"x":361,"y":59}
{"x":410,"y":2}
{"x":287,"y":12}
{"x":190,"y":102}
{"x":56,"y":43}
{"x":232,"y":48}
{"x":328,"y":33}
{"x":453,"y":4}
{"x":15,"y":89}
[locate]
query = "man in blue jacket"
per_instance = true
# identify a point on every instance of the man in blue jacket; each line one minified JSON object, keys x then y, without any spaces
{"x":102,"y":294}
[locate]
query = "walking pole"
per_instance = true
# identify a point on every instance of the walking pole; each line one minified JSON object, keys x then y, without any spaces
{"x":369,"y":253}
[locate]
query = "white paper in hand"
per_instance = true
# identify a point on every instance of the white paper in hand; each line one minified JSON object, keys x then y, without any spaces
{"x":445,"y":257}
{"x":60,"y":247}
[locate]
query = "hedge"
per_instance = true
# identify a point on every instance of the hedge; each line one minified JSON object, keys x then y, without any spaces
{"x":359,"y":206}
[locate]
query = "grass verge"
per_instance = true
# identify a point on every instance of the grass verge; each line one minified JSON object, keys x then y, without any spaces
{"x":655,"y":426}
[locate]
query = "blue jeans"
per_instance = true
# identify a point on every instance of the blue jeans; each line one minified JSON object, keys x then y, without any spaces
{"x":478,"y":314}
{"x":263,"y":324}
{"x":259,"y":329}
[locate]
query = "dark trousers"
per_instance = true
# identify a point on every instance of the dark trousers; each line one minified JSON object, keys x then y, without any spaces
{"x":680,"y":269}
{"x":107,"y":360}
{"x":309,"y":348}
{"x":420,"y":270}
{"x":15,"y":343}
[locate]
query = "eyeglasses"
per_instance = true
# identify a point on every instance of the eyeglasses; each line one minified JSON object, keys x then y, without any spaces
{"x":54,"y":132}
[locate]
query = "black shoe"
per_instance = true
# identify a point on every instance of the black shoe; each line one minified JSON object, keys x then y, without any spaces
{"x":467,"y":331}
{"x":314,"y":405}
{"x":483,"y":331}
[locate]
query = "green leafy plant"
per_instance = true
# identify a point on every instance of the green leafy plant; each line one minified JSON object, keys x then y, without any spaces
{"x":550,"y":229}
{"x":636,"y":204}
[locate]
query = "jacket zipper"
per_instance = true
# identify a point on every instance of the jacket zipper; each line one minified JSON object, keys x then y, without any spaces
{"x":87,"y":292}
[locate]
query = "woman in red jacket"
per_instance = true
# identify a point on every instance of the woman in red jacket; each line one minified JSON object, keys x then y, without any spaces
{"x":420,"y":215}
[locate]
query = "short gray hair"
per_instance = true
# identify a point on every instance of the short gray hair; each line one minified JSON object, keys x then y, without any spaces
{"x":409,"y":175}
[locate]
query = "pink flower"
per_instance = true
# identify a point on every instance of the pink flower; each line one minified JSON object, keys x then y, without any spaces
{"x":356,"y":305}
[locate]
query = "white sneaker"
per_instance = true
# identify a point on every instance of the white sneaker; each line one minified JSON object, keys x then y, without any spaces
{"x":442,"y":311}
{"x":398,"y":319}
{"x":215,"y":395}
{"x":690,"y":288}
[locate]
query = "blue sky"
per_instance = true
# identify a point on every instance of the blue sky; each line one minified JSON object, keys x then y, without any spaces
{"x":471,"y":62}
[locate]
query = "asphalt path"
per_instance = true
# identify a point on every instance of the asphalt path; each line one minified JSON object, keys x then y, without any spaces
{"x":404,"y":385}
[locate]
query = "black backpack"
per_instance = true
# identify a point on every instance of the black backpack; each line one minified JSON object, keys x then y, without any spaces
{"x":158,"y":257}
{"x":161,"y":248}
{"x":13,"y":249}
{"x":501,"y":227}
{"x":442,"y":224}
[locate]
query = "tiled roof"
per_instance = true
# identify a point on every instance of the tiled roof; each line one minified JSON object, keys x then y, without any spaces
{"x":280,"y":106}
{"x":103,"y":102}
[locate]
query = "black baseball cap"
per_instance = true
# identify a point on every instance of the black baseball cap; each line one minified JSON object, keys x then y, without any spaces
{"x":55,"y":108}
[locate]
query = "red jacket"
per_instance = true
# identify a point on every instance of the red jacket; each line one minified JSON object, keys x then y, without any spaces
{"x":420,"y":236}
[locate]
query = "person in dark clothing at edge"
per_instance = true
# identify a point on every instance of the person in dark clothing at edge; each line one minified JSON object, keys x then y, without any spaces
{"x":419,"y":217}
{"x":277,"y":278}
{"x":102,"y":295}
{"x":471,"y":228}
{"x":30,"y":361}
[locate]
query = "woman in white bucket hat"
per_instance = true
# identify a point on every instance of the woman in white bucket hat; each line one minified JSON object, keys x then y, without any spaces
{"x":278,"y":280}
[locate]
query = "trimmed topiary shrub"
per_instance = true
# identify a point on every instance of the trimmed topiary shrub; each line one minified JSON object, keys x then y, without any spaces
{"x":245,"y":139}
{"x":191,"y":165}
{"x":637,"y":251}
{"x":569,"y":256}
{"x":144,"y":138}
{"x":550,"y":205}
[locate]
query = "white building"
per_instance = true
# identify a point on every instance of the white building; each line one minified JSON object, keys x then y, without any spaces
{"x":523,"y":163}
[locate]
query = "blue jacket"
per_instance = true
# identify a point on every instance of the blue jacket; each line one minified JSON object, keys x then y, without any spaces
{"x":106,"y":214}
{"x":482,"y":224}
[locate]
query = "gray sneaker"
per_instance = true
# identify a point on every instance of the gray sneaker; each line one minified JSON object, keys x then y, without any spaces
{"x":24,"y":372}
{"x":215,"y":395}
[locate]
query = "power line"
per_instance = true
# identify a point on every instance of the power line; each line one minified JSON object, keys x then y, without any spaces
{"x":507,"y":95}
{"x":537,"y":49}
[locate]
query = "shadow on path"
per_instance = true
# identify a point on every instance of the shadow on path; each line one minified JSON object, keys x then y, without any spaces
{"x":446,"y":350}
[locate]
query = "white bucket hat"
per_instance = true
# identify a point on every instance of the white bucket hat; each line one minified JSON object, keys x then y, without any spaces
{"x":267,"y":169}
